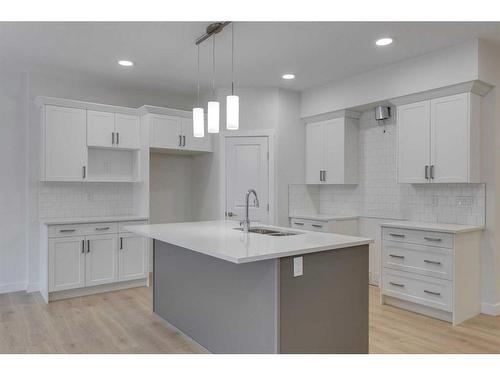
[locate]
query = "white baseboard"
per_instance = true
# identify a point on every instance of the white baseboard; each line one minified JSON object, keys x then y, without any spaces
{"x":12,"y":287}
{"x":32,"y":287}
{"x":490,"y":308}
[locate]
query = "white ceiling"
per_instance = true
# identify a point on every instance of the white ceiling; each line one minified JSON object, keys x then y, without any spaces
{"x":165,"y":55}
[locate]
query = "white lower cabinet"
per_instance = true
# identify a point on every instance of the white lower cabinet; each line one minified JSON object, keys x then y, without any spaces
{"x":80,"y":261}
{"x":132,"y":257}
{"x":431,"y":273}
{"x":66,"y":263}
{"x":101,"y":260}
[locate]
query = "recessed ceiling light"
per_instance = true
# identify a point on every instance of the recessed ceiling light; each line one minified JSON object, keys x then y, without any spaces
{"x":288,"y":76}
{"x":384,"y":41}
{"x":125,"y":63}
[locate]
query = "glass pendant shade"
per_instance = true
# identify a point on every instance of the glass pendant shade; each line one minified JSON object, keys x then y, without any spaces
{"x":198,"y":123}
{"x":213,"y":116}
{"x":233,"y":112}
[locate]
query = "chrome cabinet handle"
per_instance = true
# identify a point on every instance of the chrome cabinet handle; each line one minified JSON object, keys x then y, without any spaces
{"x":432,"y":172}
{"x":117,"y":138}
{"x":83,"y":246}
{"x":102,"y":228}
{"x":183,"y":141}
{"x":121,"y":243}
{"x":84,"y":171}
{"x":397,"y":256}
{"x":426,"y":172}
{"x":435,"y":239}
{"x":317,"y":226}
{"x":88,"y":246}
{"x":397,"y":284}
{"x":432,"y":262}
{"x":397,"y":235}
{"x":113,"y":138}
{"x":298,"y":223}
{"x":180,"y":140}
{"x":66,"y":230}
{"x":431,"y":292}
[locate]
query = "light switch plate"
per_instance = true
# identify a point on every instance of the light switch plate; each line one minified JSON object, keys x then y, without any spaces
{"x":298,"y":267}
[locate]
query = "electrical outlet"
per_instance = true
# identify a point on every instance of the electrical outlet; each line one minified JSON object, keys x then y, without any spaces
{"x":463,"y":202}
{"x":297,"y":267}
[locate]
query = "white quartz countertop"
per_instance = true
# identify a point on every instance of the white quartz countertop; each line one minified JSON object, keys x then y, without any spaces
{"x":321,"y":217}
{"x":433,"y":227}
{"x":219,"y":239}
{"x":98,"y":219}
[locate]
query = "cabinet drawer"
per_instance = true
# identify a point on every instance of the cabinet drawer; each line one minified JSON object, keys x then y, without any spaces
{"x":314,"y":225}
{"x":421,"y":259}
{"x":429,"y":238}
{"x":424,"y":290}
{"x":67,"y":230}
{"x":123,"y":224}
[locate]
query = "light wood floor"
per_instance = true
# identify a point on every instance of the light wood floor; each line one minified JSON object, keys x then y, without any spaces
{"x":122,"y":322}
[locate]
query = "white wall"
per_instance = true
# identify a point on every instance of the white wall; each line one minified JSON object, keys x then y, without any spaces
{"x":13,"y":183}
{"x":434,"y":70}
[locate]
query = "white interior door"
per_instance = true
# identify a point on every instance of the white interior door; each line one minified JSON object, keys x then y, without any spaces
{"x":102,"y":260}
{"x":100,"y":128}
{"x":315,"y":143}
{"x":450,"y":139}
{"x":128,"y":131}
{"x":414,"y":140}
{"x":247,"y":167}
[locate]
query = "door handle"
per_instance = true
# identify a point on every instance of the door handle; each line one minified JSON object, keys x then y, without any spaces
{"x":83,"y":246}
{"x":432,"y":262}
{"x":84,"y":172}
{"x":317,"y":226}
{"x":297,"y":223}
{"x":113,"y":138}
{"x":435,"y":239}
{"x":396,"y":235}
{"x":66,"y":230}
{"x":88,"y":246}
{"x":102,"y":228}
{"x":183,"y":141}
{"x":431,"y":292}
{"x":426,"y":172}
{"x":180,"y":140}
{"x":397,"y":284}
{"x":117,"y":138}
{"x":432,"y":172}
{"x":121,"y":243}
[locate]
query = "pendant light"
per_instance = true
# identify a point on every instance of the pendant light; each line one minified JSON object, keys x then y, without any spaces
{"x":198,"y":116}
{"x":213,"y":105}
{"x":232,"y":101}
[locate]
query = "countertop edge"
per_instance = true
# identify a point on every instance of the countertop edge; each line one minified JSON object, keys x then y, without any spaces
{"x":431,"y":227}
{"x":82,"y":220}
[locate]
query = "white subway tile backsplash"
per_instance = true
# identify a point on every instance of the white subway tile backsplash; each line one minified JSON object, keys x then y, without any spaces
{"x":73,"y":199}
{"x":379,"y":195}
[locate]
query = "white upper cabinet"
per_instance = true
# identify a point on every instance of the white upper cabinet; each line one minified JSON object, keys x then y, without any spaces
{"x":176,"y":133}
{"x":65,"y":146}
{"x":414,"y":142}
{"x":100,"y":129}
{"x":438,"y":140}
{"x":118,"y":130}
{"x":128,"y":131}
{"x":190,"y":142}
{"x":165,"y":131}
{"x":332,"y":152}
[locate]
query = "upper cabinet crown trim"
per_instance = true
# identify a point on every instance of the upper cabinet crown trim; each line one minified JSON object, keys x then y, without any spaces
{"x":70,"y":103}
{"x":145,"y":109}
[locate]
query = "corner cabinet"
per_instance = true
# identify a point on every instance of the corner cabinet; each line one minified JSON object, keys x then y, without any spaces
{"x":438,"y":140}
{"x":332,"y":151}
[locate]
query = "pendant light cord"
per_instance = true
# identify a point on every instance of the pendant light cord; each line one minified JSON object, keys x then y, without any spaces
{"x":232,"y":58}
{"x":198,"y":75}
{"x":213,"y":66}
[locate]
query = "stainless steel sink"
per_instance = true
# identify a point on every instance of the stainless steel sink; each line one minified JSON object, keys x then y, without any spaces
{"x":269,"y":232}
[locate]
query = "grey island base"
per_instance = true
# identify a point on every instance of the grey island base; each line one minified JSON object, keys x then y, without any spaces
{"x":259,"y":306}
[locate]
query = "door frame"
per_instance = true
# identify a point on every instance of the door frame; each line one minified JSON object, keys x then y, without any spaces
{"x":271,"y":139}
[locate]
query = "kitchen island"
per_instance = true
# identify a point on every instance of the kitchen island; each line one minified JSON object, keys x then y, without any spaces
{"x":232,"y":291}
